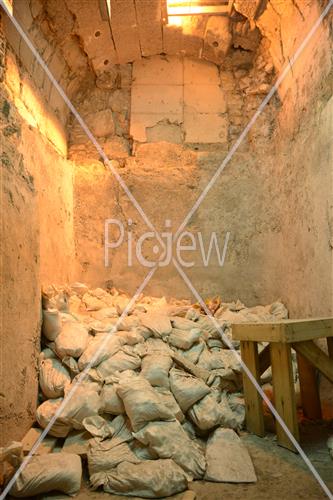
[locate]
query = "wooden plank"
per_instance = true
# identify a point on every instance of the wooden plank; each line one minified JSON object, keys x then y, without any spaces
{"x":264,"y":359}
{"x":258,"y":332}
{"x":253,"y":401}
{"x":316,"y":356}
{"x":330,"y":346}
{"x":309,"y":389}
{"x":284,"y":392}
{"x":290,"y":330}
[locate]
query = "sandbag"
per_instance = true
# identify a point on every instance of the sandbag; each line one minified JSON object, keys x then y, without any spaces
{"x":100,"y":348}
{"x":158,"y":323}
{"x":155,"y":368}
{"x":51,"y":325}
{"x":105,"y":455}
{"x":193,"y":354}
{"x":124,"y":359}
{"x":53,"y":378}
{"x":46,"y":411}
{"x":156,"y":345}
{"x":72,"y":340}
{"x":182,"y":323}
{"x":83,"y":402}
{"x":186,"y":388}
{"x":232,"y":408}
{"x":11,"y":458}
{"x":147,"y":479}
{"x":92,"y":303}
{"x":184,"y":339}
{"x":130,"y":337}
{"x":169,"y":440}
{"x":206,"y":414}
{"x":97,"y":426}
{"x":51,"y":472}
{"x":142,"y":403}
{"x":168,"y":399}
{"x":141,"y":451}
{"x":110,"y":401}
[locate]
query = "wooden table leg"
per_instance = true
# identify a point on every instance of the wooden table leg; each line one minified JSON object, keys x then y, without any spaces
{"x":253,"y":400}
{"x":330,"y":346}
{"x":284,"y":392}
{"x":309,"y":389}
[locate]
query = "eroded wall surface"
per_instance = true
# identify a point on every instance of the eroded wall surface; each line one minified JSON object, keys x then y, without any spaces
{"x":36,"y":233}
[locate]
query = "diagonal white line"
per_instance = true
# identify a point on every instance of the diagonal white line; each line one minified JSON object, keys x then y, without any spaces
{"x":260,"y":109}
{"x":253,"y":380}
{"x":82,"y":123}
{"x":76,"y":385}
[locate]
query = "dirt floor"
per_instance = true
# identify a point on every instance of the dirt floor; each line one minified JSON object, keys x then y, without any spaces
{"x":281,"y":473}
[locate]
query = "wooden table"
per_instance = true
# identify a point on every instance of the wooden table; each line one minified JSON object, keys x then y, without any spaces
{"x":282,"y":336}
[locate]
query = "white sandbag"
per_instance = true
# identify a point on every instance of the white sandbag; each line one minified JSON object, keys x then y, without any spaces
{"x":72,"y":340}
{"x":53,"y":378}
{"x":84,"y":402}
{"x":155,"y":368}
{"x":105,"y":455}
{"x":184,"y":339}
{"x":186,"y":388}
{"x":130,"y":337}
{"x":206,"y":414}
{"x":148,"y":479}
{"x":142,"y":403}
{"x":110,"y":401}
{"x":168,"y":399}
{"x":51,"y":325}
{"x":183,"y":323}
{"x":124,"y":359}
{"x":228,"y":460}
{"x":105,"y":312}
{"x":193,"y":354}
{"x":169,"y":440}
{"x":46,"y":411}
{"x":100,"y":348}
{"x":158,"y":323}
{"x":97,"y":426}
{"x":51,"y":472}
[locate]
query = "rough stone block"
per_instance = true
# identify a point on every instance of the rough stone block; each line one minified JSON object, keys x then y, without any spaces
{"x":100,"y":123}
{"x":12,"y":35}
{"x":140,"y":122}
{"x":200,"y":72}
{"x":158,"y":71}
{"x":228,"y":459}
{"x":217,"y":39}
{"x":150,"y":30}
{"x":125,"y":30}
{"x":157,"y":99}
{"x":204,"y":99}
{"x":165,"y":131}
{"x":205,"y":128}
{"x":26,"y":56}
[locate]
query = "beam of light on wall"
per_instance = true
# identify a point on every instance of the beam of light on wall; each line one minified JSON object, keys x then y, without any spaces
{"x":178,"y":10}
{"x":9,"y":6}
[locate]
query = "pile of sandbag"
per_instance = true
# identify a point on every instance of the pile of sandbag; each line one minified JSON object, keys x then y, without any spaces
{"x":141,"y":395}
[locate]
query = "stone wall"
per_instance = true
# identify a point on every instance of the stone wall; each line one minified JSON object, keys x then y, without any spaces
{"x":36,"y":231}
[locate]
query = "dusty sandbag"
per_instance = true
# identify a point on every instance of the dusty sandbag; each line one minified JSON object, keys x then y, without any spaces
{"x":100,"y":348}
{"x":186,"y":388}
{"x":72,"y":340}
{"x":128,"y":323}
{"x":11,"y":457}
{"x":208,"y":327}
{"x":130,"y":337}
{"x":105,"y":312}
{"x":92,"y":303}
{"x":168,"y":399}
{"x":53,"y":378}
{"x":46,"y":411}
{"x":51,"y":472}
{"x":184,"y":339}
{"x":71,"y":364}
{"x":278,"y":310}
{"x":211,"y":360}
{"x":183,"y":323}
{"x":46,"y":353}
{"x":192,"y":314}
{"x":147,"y":479}
{"x":158,"y":323}
{"x":83,"y":402}
{"x":121,"y":429}
{"x":79,"y":288}
{"x":141,"y":451}
{"x":193,"y":354}
{"x":142,"y":403}
{"x":143,"y":331}
{"x":105,"y":455}
{"x":232,"y":408}
{"x":155,"y":345}
{"x":110,"y":401}
{"x":169,"y":440}
{"x":190,"y":367}
{"x":155,"y":368}
{"x":97,"y":426}
{"x":51,"y":325}
{"x":228,"y":459}
{"x":206,"y":414}
{"x":124,"y":359}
